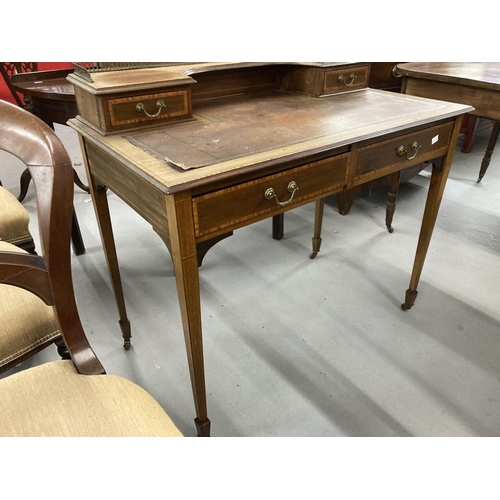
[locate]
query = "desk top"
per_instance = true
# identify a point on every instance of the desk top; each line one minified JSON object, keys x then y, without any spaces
{"x":475,"y":74}
{"x":256,"y":132}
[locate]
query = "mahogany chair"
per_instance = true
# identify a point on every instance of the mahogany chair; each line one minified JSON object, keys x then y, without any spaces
{"x":26,"y":325}
{"x":67,"y":397}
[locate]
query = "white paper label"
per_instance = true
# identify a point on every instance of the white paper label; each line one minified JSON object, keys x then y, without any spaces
{"x":435,"y":139}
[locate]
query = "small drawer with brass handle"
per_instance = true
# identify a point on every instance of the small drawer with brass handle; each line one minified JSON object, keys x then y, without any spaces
{"x":345,"y":79}
{"x":387,"y":156}
{"x":236,"y":206}
{"x":161,"y":107}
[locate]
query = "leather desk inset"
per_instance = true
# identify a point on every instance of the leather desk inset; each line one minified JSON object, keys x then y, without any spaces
{"x":257,"y":154}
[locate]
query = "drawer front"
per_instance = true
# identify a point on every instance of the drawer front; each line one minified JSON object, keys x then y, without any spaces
{"x":401,"y":152}
{"x":159,"y":107}
{"x":341,"y":80}
{"x":233,"y":207}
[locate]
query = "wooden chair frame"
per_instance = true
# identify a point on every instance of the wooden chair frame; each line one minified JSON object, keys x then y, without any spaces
{"x":50,"y":277}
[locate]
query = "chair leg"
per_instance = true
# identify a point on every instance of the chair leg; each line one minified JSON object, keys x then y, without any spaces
{"x":76,"y":236}
{"x":24,"y":182}
{"x":79,"y":183}
{"x":62,"y":349}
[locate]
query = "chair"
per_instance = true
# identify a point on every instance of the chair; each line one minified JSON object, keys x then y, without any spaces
{"x":67,"y":397}
{"x":26,"y":325}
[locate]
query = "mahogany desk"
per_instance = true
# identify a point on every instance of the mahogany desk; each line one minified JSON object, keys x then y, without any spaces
{"x":231,"y":161}
{"x":476,"y":84}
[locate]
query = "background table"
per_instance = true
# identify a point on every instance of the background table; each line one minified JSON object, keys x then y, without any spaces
{"x":475,"y":84}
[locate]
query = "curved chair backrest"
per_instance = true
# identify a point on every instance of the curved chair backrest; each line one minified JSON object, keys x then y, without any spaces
{"x":36,"y":144}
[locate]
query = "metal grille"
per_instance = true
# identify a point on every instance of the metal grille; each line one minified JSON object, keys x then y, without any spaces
{"x":85,"y":69}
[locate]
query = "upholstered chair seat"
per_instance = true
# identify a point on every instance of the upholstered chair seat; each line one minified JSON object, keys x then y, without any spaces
{"x":14,"y":222}
{"x":53,"y":399}
{"x":27,"y":324}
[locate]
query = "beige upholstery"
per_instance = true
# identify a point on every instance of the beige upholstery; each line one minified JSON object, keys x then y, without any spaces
{"x":27,"y":324}
{"x":14,"y":219}
{"x":54,"y":400}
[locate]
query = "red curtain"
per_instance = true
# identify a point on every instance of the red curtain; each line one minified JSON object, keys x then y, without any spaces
{"x":42,"y":66}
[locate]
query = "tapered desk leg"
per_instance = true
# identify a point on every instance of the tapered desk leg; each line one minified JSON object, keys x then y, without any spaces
{"x":318,"y":223}
{"x":99,"y":195}
{"x":101,"y":208}
{"x":489,"y":150}
{"x":434,"y":197}
{"x":185,"y":260}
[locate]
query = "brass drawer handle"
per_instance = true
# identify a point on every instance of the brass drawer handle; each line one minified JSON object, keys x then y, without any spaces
{"x":350,"y":82}
{"x":270,"y":194}
{"x":159,"y":104}
{"x":414,"y":147}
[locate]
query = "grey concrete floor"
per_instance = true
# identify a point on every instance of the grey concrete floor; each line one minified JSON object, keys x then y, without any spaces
{"x":301,"y":347}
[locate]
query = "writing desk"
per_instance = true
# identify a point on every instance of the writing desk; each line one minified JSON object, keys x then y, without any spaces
{"x":226,"y":145}
{"x":476,"y":84}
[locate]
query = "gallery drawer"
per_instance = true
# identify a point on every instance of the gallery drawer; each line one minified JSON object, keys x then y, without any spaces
{"x":346,"y":79}
{"x":159,"y":107}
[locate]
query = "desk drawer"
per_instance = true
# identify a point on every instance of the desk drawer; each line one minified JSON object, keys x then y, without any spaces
{"x":160,"y":106}
{"x":345,"y":79}
{"x":405,"y":151}
{"x":231,"y":207}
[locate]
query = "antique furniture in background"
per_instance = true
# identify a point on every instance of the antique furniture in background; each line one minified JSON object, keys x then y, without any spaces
{"x":471,"y":125}
{"x":50,"y":97}
{"x":475,"y":84}
{"x":53,"y":101}
{"x":200,"y":150}
{"x":67,"y":397}
{"x":47,"y":94}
